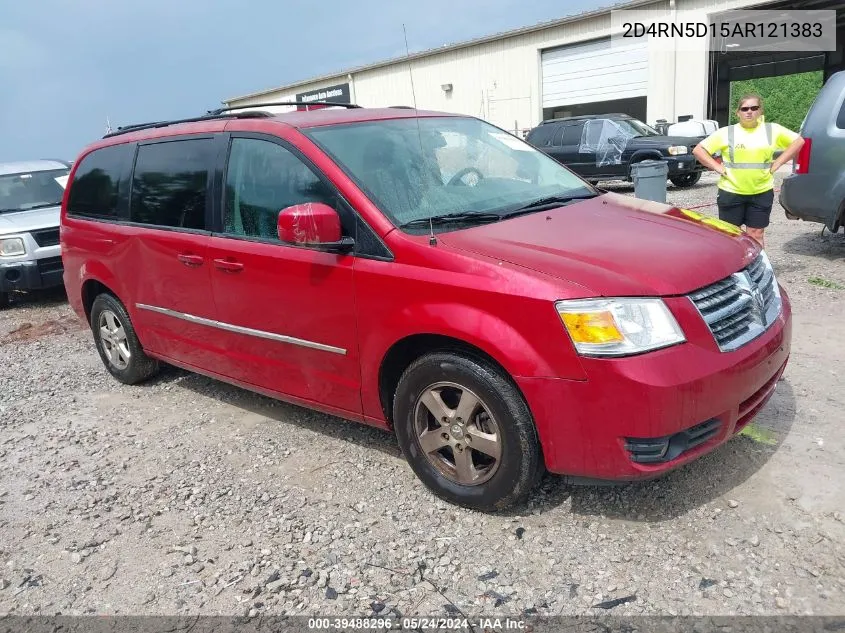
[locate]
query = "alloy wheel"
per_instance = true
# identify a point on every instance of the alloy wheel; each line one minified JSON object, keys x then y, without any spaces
{"x":457,"y":433}
{"x":113,"y":340}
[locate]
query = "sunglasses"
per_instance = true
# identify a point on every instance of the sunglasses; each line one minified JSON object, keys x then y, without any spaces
{"x":747,"y":108}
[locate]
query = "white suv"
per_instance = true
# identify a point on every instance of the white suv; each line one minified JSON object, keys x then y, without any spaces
{"x":30,"y":200}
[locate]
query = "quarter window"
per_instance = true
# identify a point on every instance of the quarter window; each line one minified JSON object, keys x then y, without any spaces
{"x":96,"y":184}
{"x":262,"y":179}
{"x":541,"y":135}
{"x":170,"y":183}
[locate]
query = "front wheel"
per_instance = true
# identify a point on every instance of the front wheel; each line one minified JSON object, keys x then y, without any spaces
{"x":467,"y":432}
{"x":4,"y":300}
{"x":686,"y":180}
{"x":117,"y":343}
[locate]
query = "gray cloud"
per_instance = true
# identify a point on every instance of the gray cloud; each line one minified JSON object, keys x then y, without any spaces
{"x":68,"y":66}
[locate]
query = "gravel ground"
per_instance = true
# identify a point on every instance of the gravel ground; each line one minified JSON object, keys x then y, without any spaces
{"x":186,"y":495}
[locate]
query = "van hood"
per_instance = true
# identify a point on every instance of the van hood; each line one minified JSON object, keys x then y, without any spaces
{"x":23,"y":221}
{"x":613,"y":245}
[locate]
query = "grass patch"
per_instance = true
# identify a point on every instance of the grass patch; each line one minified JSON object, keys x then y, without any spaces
{"x":825,"y":283}
{"x":759,"y":434}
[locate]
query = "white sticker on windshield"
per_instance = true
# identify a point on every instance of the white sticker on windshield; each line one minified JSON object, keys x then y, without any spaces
{"x":62,"y":180}
{"x":511,"y":141}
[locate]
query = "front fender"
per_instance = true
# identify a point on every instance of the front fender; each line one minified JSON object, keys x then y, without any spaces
{"x":537,"y":347}
{"x":521,"y":350}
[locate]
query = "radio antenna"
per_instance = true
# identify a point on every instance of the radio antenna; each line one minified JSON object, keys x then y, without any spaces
{"x":431,"y":238}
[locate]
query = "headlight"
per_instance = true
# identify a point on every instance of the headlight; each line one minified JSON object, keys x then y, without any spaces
{"x":674,"y":150}
{"x":12,"y":247}
{"x":770,"y":268}
{"x":619,"y":327}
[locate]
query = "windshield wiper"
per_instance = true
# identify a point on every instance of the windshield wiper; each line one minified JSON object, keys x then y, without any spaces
{"x":546,"y":202}
{"x":43,"y":205}
{"x":452,"y":218}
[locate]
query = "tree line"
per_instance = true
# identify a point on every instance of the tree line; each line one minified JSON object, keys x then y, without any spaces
{"x":787,"y":99}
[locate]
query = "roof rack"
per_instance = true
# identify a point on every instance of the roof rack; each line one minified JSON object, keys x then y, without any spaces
{"x":585,"y":117}
{"x":285,"y":103}
{"x":224,"y":113}
{"x":125,"y":129}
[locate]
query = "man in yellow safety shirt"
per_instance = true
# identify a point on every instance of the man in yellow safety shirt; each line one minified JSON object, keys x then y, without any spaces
{"x":746,"y":187}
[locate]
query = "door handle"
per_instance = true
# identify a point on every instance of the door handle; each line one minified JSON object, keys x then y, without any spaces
{"x":228,"y":266}
{"x":190,"y":260}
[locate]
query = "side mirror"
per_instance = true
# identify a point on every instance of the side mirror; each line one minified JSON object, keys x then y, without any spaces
{"x":312,"y":224}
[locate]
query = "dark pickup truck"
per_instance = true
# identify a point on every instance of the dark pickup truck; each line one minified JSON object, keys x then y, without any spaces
{"x":603,"y":147}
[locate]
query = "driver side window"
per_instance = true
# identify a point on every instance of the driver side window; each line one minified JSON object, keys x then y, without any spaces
{"x":591,"y":136}
{"x":262,"y":178}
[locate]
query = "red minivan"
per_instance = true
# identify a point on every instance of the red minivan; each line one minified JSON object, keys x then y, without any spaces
{"x":429,"y":274}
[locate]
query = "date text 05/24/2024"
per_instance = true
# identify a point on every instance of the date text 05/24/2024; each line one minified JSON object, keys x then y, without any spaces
{"x":418,"y":624}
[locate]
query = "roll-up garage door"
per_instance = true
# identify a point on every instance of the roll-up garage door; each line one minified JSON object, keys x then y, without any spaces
{"x":594,"y":71}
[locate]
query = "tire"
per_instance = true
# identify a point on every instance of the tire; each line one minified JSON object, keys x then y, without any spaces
{"x":128,"y":363}
{"x":686,"y":180}
{"x":500,"y":414}
{"x":4,"y":300}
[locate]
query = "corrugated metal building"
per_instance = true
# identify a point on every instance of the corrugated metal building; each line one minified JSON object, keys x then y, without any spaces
{"x":518,"y":78}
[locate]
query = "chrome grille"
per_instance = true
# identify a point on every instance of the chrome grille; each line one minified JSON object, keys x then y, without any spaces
{"x":741,"y":307}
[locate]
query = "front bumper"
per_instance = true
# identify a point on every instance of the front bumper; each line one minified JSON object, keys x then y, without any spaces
{"x":31,"y":274}
{"x":675,"y":404}
{"x":680,"y":165}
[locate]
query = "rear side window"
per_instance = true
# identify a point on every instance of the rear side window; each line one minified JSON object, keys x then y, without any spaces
{"x":571,"y":134}
{"x":170,"y":183}
{"x":96,"y":187}
{"x":840,"y":119}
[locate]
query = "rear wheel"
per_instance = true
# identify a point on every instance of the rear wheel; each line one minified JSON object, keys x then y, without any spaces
{"x":467,"y":432}
{"x":686,"y":180}
{"x":117,"y":342}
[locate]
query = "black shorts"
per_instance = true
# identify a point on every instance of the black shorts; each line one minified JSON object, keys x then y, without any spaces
{"x":753,"y":211}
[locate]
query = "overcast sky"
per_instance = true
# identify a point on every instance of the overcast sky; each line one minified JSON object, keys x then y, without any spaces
{"x":66,"y":66}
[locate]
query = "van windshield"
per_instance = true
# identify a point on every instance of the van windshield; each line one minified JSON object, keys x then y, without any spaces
{"x":32,"y":190}
{"x":426,"y":167}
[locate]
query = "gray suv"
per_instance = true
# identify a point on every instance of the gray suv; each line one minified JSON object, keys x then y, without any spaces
{"x":30,"y":200}
{"x":815,"y":190}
